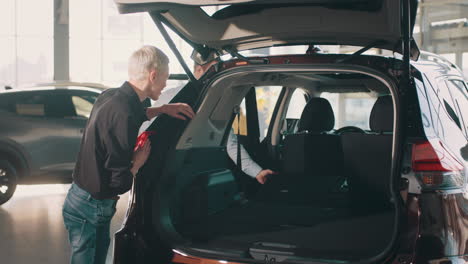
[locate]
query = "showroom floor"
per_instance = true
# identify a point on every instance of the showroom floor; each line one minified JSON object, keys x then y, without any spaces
{"x":31,"y":225}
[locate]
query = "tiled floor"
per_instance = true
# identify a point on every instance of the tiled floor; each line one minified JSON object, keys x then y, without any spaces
{"x":31,"y":225}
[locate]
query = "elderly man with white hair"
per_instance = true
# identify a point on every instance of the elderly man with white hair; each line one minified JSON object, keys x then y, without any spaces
{"x":107,"y":161}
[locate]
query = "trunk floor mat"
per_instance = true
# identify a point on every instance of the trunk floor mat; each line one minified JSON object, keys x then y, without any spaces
{"x":258,"y":217}
{"x":314,"y":232}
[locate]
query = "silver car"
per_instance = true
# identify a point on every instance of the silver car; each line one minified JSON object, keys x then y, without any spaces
{"x":40,"y":132}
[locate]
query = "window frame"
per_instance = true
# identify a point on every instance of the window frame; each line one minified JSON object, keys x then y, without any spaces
{"x":446,"y":98}
{"x":7,"y":101}
{"x":462,"y":119}
{"x":279,"y":100}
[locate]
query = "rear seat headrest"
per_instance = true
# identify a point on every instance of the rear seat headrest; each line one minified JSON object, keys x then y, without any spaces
{"x":317,"y":116}
{"x":381,"y":118}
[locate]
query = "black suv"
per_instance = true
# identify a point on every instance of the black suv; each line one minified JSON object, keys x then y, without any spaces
{"x":40,"y":132}
{"x":370,"y":150}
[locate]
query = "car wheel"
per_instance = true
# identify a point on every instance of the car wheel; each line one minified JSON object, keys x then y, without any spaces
{"x":8,"y":181}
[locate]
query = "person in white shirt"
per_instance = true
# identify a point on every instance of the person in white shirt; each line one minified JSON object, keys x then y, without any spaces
{"x":249,"y":166}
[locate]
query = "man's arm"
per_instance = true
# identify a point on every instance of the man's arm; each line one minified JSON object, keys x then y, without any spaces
{"x":119,"y":142}
{"x":177,"y":110}
{"x":140,"y":155}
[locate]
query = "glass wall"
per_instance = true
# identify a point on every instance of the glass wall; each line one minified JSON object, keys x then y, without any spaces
{"x":443,"y":29}
{"x":101,"y":40}
{"x":26,"y":41}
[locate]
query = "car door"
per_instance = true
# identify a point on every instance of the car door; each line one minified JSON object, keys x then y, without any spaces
{"x":149,"y":187}
{"x":48,"y":144}
{"x":61,"y":145}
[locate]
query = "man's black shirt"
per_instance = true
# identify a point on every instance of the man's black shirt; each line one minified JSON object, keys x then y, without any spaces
{"x":104,"y":160}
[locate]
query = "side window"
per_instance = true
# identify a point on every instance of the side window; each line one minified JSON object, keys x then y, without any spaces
{"x":267,"y":96}
{"x":460,"y":100}
{"x":6,"y":101}
{"x":448,"y":101}
{"x":296,"y":104}
{"x":242,"y":123}
{"x":58,"y":104}
{"x":451,"y":112}
{"x":83,"y":103}
{"x":351,"y":109}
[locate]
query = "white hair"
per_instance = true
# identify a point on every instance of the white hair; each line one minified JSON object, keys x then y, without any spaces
{"x":144,"y":60}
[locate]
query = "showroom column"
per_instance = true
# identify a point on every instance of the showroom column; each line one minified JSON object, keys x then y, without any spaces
{"x":61,"y":40}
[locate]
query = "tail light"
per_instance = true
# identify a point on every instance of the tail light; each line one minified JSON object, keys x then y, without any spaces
{"x":142,"y":138}
{"x":436,"y":167}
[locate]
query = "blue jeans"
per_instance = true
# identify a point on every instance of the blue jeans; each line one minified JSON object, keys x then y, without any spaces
{"x":87,"y":221}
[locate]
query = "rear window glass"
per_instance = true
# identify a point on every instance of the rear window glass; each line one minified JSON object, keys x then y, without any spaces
{"x":266,"y":97}
{"x":351,"y":109}
{"x":30,"y":104}
{"x":296,"y":104}
{"x":30,"y":109}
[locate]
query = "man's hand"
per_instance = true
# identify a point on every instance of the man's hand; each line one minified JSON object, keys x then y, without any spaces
{"x":262,"y":176}
{"x":140,"y":156}
{"x":177,"y":110}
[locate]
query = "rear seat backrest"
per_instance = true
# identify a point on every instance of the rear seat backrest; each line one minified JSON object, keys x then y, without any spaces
{"x":312,"y":154}
{"x":368,"y":157}
{"x":317,"y":116}
{"x":381,"y":117}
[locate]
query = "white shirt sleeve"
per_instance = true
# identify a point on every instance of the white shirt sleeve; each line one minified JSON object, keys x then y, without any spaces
{"x":249,"y":166}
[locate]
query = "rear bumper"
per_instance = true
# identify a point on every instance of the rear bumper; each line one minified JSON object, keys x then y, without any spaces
{"x":443,"y":236}
{"x":450,"y":260}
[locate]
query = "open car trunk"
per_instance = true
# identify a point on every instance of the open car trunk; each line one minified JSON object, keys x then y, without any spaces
{"x":332,"y":199}
{"x":249,"y":24}
{"x":287,"y":217}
